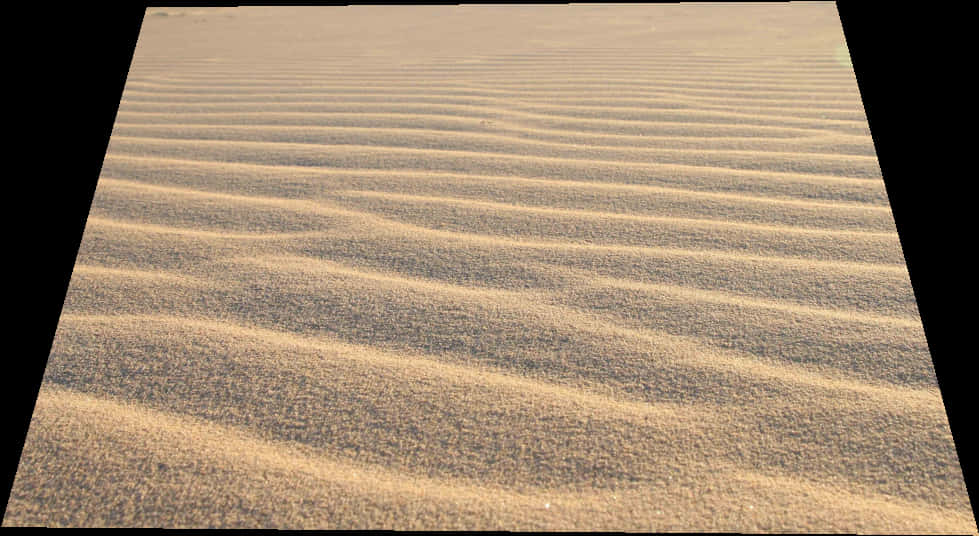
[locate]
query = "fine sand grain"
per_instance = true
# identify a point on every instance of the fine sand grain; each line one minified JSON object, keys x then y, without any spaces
{"x":492,"y":267}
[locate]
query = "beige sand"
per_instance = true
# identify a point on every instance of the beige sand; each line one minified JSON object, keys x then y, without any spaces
{"x":527,"y":267}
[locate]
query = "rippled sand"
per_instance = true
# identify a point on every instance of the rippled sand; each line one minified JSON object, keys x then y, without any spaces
{"x":523,"y":267}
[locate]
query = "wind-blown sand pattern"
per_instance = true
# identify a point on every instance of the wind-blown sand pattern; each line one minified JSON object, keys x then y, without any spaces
{"x":524,"y":267}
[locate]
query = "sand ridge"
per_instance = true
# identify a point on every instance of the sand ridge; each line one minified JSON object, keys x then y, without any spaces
{"x":584,"y":268}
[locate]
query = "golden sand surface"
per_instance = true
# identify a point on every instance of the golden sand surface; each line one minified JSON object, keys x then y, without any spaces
{"x":592,"y":267}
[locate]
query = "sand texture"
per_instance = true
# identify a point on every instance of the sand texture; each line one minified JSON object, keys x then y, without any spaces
{"x":528,"y":267}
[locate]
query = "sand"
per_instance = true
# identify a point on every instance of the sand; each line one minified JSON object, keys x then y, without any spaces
{"x":492,"y":267}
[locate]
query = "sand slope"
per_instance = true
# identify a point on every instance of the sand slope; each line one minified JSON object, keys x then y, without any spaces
{"x":558,"y":267}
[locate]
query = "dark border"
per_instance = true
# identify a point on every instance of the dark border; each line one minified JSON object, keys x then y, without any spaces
{"x":897,"y":57}
{"x":73,"y":88}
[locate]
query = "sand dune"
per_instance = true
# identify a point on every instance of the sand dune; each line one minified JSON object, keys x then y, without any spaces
{"x":338,"y":274}
{"x":710,"y":141}
{"x":524,"y":111}
{"x":148,"y":92}
{"x":816,"y":163}
{"x":305,"y":182}
{"x":281,"y":484}
{"x":699,"y":177}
